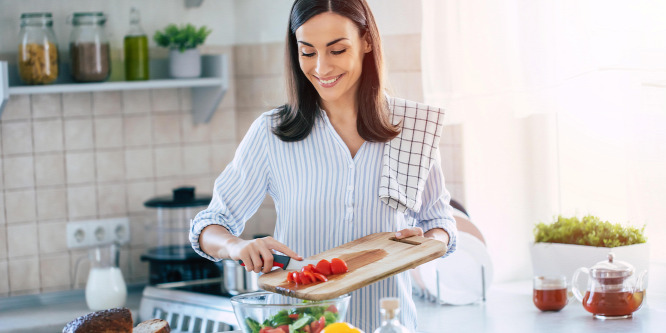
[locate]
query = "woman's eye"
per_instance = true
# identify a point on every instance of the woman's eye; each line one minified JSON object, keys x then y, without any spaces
{"x":307,"y":54}
{"x":339,"y":52}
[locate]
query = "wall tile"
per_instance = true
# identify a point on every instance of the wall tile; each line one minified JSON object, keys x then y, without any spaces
{"x":243,"y":60}
{"x":138,"y":130}
{"x":79,"y":282}
{"x":18,"y":107}
{"x":79,"y":133}
{"x":24,"y":275}
{"x":51,"y":204}
{"x":77,"y":104}
{"x":194,"y":132}
{"x":196,"y":160}
{"x":138,"y":193}
{"x":47,"y":135}
{"x":260,"y":92}
{"x":229,"y":98}
{"x":168,"y":161}
{"x":4,"y":278}
{"x":139,"y":164}
{"x":108,"y":132}
{"x":111,"y":200}
{"x":49,"y":169}
{"x":20,"y":206}
{"x":22,"y":240}
{"x":107,"y":102}
{"x":136,"y":101}
{"x":164,"y":100}
{"x":185,"y":97}
{"x":110,"y":166}
{"x":3,"y":242}
{"x":223,"y":125}
{"x":52,"y":237}
{"x":46,"y":105}
{"x":165,"y":186}
{"x":166,"y":128}
{"x":80,"y":167}
{"x":19,"y":172}
{"x":82,"y":202}
{"x":138,"y":229}
{"x":16,"y":137}
{"x":221,"y":155}
{"x":138,"y":267}
{"x":55,"y":271}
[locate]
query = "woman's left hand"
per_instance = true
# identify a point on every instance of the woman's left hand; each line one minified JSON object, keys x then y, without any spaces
{"x":409,"y":232}
{"x":435,"y":233}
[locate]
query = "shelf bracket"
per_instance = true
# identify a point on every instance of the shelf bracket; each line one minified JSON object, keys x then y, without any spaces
{"x":205,"y":100}
{"x":4,"y":86}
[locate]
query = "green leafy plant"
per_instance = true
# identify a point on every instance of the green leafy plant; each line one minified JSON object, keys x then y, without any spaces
{"x":181,"y":38}
{"x":590,"y":230}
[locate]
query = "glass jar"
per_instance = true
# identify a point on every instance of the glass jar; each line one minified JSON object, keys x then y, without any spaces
{"x":89,"y":48}
{"x":38,"y":50}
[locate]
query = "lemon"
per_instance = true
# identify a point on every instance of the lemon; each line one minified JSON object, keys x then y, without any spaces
{"x":341,"y":328}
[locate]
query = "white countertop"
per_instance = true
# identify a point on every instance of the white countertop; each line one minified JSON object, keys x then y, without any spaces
{"x":508,"y":308}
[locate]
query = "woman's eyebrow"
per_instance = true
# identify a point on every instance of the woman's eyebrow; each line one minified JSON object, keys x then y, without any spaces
{"x":327,"y":44}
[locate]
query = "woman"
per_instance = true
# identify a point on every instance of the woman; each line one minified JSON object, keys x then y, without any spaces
{"x":320,"y":157}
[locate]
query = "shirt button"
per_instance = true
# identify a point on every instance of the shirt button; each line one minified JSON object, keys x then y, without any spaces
{"x":351,"y":165}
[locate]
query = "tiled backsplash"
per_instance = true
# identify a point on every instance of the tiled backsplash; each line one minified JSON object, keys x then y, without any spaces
{"x":80,"y":156}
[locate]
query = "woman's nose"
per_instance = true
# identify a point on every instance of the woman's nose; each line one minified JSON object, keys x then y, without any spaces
{"x":323,"y":65}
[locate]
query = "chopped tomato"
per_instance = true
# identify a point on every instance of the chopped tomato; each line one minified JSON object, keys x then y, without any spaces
{"x":338,"y":266}
{"x":310,"y":275}
{"x":274,"y":330}
{"x":306,"y":328}
{"x":284,"y":328}
{"x":293,"y":316}
{"x":318,"y":326}
{"x":297,"y":277}
{"x":332,"y":308}
{"x":324,"y":267}
{"x":290,"y":277}
{"x":265,"y":329}
{"x":304,"y":278}
{"x":320,"y":277}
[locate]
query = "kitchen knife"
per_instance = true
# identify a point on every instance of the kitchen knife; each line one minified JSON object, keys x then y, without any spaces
{"x":286,"y":263}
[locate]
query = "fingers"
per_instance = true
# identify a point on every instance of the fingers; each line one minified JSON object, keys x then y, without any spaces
{"x":286,"y":250}
{"x":257,"y":254}
{"x":409,"y":232}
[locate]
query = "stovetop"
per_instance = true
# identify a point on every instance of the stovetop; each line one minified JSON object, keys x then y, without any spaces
{"x":201,"y":308}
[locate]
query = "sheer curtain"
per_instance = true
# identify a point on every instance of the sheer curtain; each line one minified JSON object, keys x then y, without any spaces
{"x":563,"y":110}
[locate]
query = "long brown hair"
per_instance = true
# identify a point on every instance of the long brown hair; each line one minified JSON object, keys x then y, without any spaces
{"x":296,"y":118}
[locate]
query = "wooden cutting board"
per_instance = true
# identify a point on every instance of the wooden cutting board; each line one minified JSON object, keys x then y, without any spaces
{"x":369,"y":259}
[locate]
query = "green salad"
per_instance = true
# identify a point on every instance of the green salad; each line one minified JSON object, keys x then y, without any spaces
{"x":297,"y":320}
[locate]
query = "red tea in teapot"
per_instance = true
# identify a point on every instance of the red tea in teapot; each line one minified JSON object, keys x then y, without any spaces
{"x":550,"y":299}
{"x":613,"y":304}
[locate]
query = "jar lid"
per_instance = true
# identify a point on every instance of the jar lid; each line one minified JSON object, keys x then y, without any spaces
{"x":612,"y":269}
{"x":88,"y":18}
{"x":36,"y":19}
{"x":181,"y":197}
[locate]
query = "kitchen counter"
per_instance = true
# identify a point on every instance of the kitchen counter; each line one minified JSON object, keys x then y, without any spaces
{"x":508,"y":308}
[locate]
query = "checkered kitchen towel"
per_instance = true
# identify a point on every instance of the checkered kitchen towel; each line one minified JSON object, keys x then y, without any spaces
{"x":408,"y":157}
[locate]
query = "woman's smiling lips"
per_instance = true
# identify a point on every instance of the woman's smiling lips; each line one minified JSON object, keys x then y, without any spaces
{"x":329,"y":81}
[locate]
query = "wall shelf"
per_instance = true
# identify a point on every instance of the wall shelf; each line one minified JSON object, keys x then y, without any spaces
{"x":207,"y":91}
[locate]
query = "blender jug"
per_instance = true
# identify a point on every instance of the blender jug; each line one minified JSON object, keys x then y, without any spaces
{"x":105,"y":287}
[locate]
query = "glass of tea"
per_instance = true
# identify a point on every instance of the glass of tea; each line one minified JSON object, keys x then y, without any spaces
{"x":550,"y":293}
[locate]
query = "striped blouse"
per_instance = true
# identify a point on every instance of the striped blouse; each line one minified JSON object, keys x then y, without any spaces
{"x":323,"y":198}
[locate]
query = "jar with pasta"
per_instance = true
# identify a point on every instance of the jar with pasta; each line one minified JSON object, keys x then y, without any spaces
{"x":38,"y":49}
{"x":89,"y":47}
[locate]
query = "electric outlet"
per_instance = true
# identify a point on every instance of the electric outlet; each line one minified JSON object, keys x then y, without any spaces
{"x":96,"y":232}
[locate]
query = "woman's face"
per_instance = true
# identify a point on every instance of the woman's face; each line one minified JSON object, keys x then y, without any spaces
{"x":331,"y":56}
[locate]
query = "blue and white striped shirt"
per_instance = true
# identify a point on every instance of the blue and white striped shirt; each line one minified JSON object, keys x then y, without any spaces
{"x":323,"y":198}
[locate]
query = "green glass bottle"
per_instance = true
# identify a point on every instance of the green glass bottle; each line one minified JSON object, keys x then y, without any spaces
{"x":136,"y":50}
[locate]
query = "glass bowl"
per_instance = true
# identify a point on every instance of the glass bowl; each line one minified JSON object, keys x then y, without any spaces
{"x":264,"y":309}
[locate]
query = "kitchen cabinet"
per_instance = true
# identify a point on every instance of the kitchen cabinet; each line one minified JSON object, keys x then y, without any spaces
{"x":207,"y":90}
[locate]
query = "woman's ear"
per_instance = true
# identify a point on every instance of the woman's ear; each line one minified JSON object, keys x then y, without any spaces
{"x":367,"y":43}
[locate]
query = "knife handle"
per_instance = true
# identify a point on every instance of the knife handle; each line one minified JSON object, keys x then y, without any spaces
{"x":278,"y":260}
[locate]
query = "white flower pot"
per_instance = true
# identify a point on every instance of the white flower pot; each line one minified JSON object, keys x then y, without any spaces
{"x":551,"y":259}
{"x":184,"y":64}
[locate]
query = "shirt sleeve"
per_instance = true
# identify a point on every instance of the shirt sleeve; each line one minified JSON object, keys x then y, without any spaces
{"x":240,"y":189}
{"x":436,"y":211}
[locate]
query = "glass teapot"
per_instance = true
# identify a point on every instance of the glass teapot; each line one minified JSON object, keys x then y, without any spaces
{"x":613,"y":291}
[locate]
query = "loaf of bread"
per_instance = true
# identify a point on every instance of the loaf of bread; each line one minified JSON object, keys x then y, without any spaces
{"x":118,"y":320}
{"x":153,"y":326}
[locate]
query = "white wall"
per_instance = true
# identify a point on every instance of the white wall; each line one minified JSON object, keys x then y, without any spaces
{"x":155,"y":14}
{"x":265,"y":21}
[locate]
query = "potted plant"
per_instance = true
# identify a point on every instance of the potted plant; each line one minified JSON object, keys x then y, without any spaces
{"x":561,"y":247}
{"x":184,"y":57}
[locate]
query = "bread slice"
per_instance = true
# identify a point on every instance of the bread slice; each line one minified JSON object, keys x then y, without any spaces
{"x":153,"y":326}
{"x":117,"y":320}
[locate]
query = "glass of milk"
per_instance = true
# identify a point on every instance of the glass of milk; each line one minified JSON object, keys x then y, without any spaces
{"x":106,"y":287}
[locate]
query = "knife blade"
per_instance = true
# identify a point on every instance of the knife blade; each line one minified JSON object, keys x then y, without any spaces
{"x":286,"y":263}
